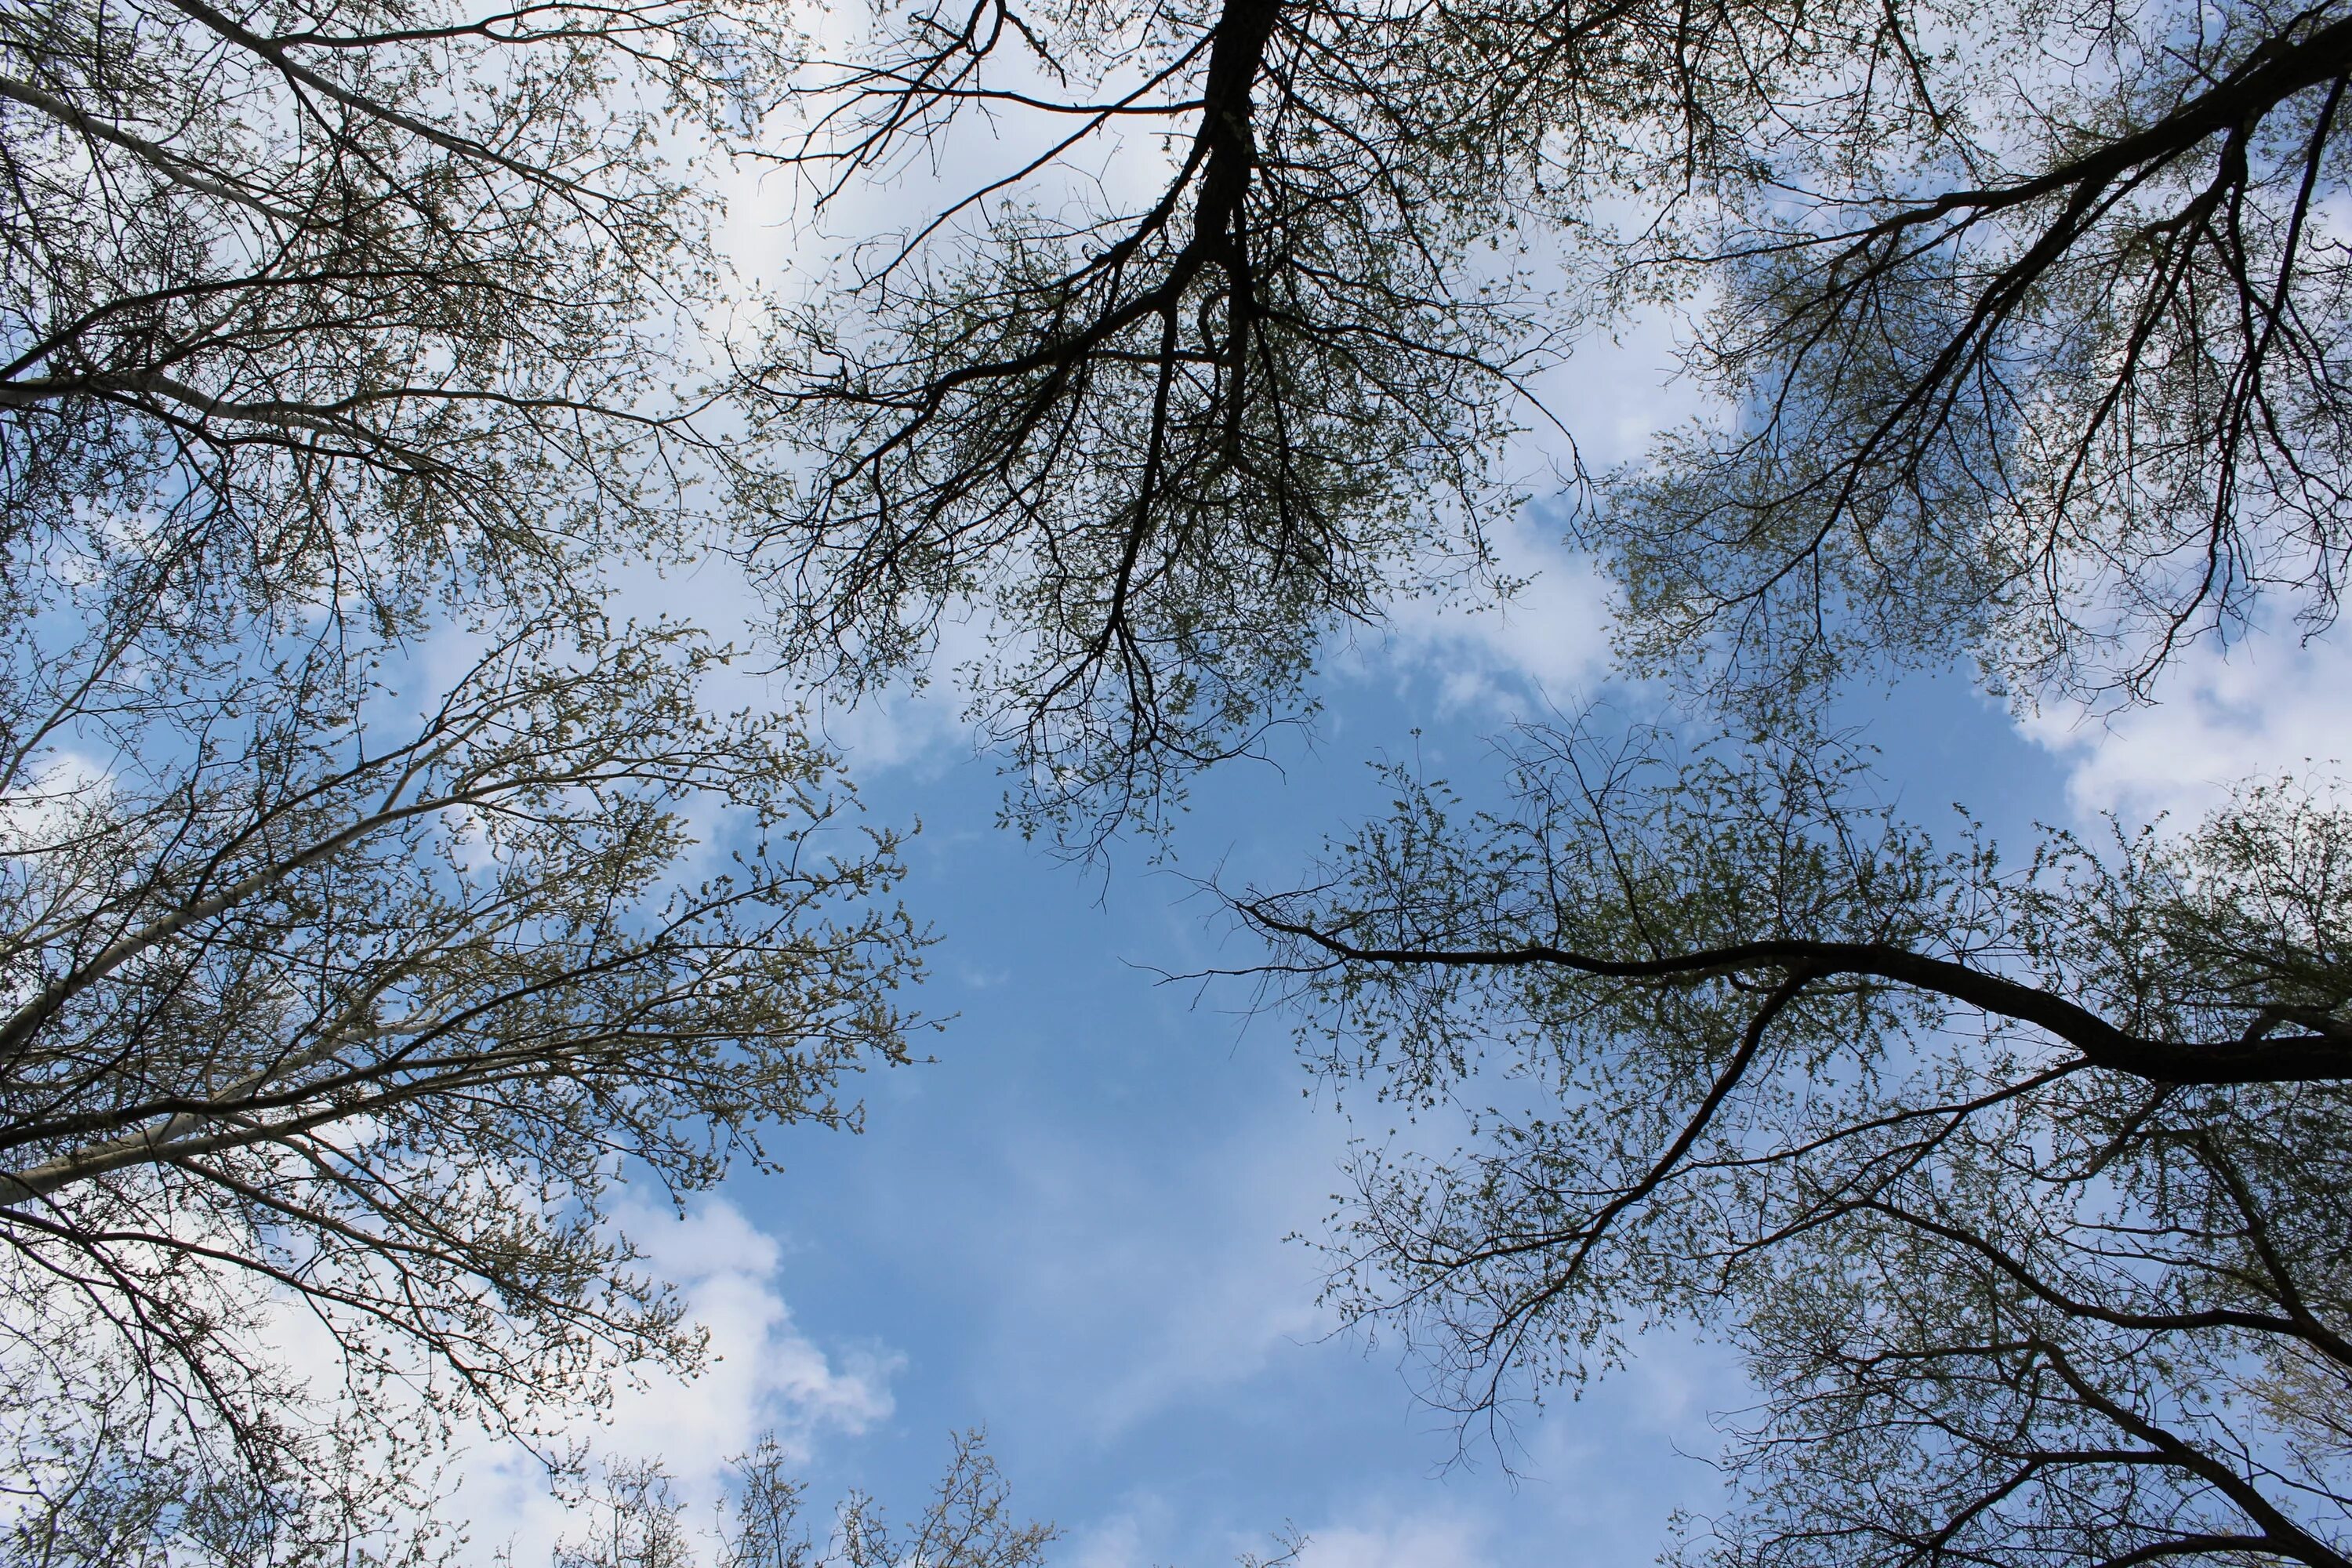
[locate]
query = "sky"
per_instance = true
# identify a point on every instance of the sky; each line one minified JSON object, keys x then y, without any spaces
{"x":1087,"y":1223}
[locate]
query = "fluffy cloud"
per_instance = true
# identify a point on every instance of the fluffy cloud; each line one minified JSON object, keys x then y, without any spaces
{"x":2263,"y":707}
{"x":921,"y":728}
{"x":766,"y":1375}
{"x":1511,"y":660}
{"x":1410,"y":1540}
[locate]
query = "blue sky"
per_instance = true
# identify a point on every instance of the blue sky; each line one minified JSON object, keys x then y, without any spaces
{"x":1087,"y":1225}
{"x":1071,"y":1226}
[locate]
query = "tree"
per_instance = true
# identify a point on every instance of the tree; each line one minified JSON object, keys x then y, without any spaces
{"x":2044,"y":359}
{"x":2022,"y":1190}
{"x":2023,"y":321}
{"x":318,"y":320}
{"x":1170,"y":443}
{"x":642,"y":1523}
{"x":103,"y":1497}
{"x":966,"y":1524}
{"x":311,"y":1019}
{"x":358,"y":304}
{"x":633,"y":1516}
{"x":342,"y":342}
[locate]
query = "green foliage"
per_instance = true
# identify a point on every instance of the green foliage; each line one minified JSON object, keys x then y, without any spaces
{"x":358,"y":304}
{"x":364,"y":1019}
{"x":373,"y":903}
{"x":639,"y":1522}
{"x":2022,"y":325}
{"x":2022,"y":1190}
{"x":2028,"y":345}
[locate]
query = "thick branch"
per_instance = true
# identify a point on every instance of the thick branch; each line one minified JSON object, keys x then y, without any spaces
{"x":2319,"y":1057}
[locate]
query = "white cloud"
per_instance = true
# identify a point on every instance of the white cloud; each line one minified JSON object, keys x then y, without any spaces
{"x":921,"y":729}
{"x":765,"y":1371}
{"x":903,"y":726}
{"x":765,"y":1375}
{"x":1514,"y":658}
{"x":1185,"y":1289}
{"x":1406,"y":1541}
{"x":1119,"y":1541}
{"x":1371,"y":1535}
{"x":1209,"y":1328}
{"x":49,"y":786}
{"x":2265,"y":706}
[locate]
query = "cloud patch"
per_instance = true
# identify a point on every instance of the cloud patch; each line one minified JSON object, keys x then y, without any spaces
{"x":2265,"y":706}
{"x":1412,"y":1541}
{"x":1513,"y":659}
{"x":766,"y":1374}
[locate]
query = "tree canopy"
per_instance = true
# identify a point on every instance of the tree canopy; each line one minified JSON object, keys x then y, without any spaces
{"x":313,"y":1014}
{"x":375,"y":899}
{"x":2024,"y":323}
{"x":2021,"y":1187}
{"x":361,"y":303}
